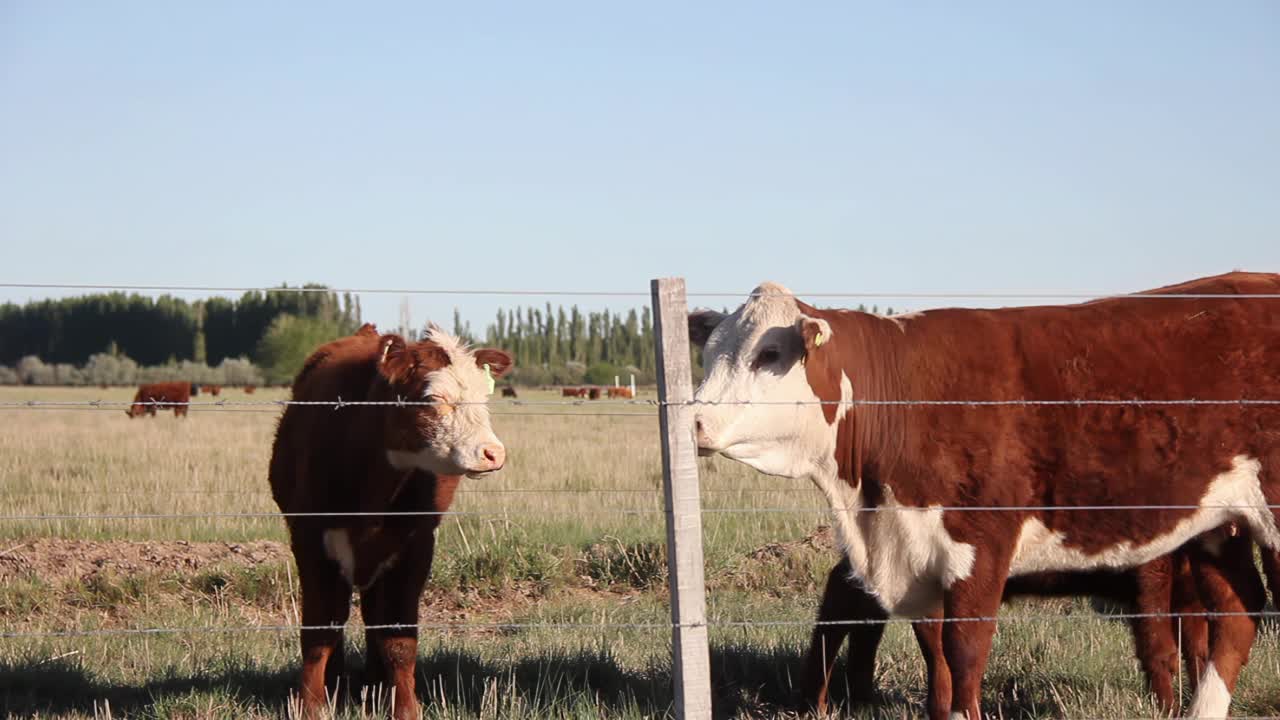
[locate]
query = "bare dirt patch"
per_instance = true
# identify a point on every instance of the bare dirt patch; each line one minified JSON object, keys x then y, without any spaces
{"x":55,"y":559}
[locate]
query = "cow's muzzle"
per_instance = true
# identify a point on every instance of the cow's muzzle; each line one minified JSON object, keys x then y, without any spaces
{"x":705,"y":448}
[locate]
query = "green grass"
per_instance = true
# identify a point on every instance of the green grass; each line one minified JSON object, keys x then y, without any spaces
{"x":554,"y":539}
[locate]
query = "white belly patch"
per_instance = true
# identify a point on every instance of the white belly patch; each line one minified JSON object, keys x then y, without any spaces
{"x":1235,"y":495}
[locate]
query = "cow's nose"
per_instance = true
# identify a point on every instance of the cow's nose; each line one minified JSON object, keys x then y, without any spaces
{"x":494,"y":455}
{"x":701,"y":438}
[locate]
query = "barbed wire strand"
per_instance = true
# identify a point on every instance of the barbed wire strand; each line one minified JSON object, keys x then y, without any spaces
{"x":266,"y":493}
{"x":274,"y":413}
{"x":560,"y":625}
{"x":631,"y":511}
{"x":893,"y":294}
{"x":338,"y":404}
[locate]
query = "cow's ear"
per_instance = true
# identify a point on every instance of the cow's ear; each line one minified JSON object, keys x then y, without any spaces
{"x":498,"y":361}
{"x":815,"y":332}
{"x":395,"y":361}
{"x":367,"y":330}
{"x":701,"y":324}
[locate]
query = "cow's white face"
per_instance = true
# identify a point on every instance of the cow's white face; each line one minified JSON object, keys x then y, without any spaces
{"x":755,"y":376}
{"x":453,"y":435}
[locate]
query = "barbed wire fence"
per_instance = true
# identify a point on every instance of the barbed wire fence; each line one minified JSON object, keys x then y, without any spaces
{"x":681,"y":492}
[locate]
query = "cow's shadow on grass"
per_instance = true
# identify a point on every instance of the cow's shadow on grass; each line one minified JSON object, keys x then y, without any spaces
{"x":747,"y":681}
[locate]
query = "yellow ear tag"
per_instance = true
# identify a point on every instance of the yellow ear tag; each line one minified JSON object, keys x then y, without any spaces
{"x":385,"y":349}
{"x":488,"y":376}
{"x":819,"y":339}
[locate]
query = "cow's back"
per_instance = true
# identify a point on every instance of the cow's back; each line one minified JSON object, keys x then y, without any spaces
{"x":309,"y":442}
{"x":1169,"y":350}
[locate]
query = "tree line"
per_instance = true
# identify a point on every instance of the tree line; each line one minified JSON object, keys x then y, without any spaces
{"x":167,"y":329}
{"x":565,"y":345}
{"x":118,"y":335}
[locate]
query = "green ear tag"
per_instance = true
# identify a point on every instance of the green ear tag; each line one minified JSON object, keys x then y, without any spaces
{"x":817,"y":341}
{"x":488,"y":375}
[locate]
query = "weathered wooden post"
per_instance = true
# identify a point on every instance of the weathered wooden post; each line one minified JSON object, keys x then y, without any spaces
{"x":691,"y":662}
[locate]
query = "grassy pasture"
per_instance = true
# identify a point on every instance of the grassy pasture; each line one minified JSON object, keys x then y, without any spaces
{"x":569,"y":534}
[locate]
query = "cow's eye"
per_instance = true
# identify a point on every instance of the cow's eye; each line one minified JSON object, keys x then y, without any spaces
{"x":440,"y":404}
{"x":767,"y":356}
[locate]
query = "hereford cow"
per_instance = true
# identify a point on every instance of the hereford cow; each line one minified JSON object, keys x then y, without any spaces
{"x":890,"y":470}
{"x":175,"y":395}
{"x":370,"y":459}
{"x":620,"y":392}
{"x":509,"y":391}
{"x":574,"y":392}
{"x":248,"y":389}
{"x":214,"y":390}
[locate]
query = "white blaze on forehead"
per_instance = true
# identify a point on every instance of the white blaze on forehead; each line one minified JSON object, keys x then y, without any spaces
{"x":462,"y":380}
{"x":461,"y":431}
{"x":756,"y":420}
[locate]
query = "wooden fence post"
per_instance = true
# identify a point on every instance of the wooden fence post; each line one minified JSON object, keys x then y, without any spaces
{"x":691,"y":662}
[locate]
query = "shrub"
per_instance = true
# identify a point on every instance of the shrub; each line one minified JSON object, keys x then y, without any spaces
{"x":289,"y":340}
{"x":602,"y":374}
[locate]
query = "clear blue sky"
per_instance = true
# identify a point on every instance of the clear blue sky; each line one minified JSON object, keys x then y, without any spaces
{"x":830,"y":146}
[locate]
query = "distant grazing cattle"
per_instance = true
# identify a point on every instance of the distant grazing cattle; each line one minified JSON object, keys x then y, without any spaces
{"x":248,"y":389}
{"x":371,"y":459}
{"x":593,"y":393}
{"x":574,"y":392}
{"x":620,"y":392}
{"x":166,"y":395}
{"x":1204,"y":466}
{"x":214,"y":390}
{"x":508,"y":391}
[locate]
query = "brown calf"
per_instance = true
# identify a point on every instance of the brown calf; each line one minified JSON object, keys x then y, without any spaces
{"x":573,"y":392}
{"x":174,"y":395}
{"x":248,"y":389}
{"x":509,"y":391}
{"x":620,"y":392}
{"x":376,"y":459}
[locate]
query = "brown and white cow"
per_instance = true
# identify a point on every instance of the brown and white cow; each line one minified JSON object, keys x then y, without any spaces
{"x":166,"y":395}
{"x":377,"y":459}
{"x":620,"y":392}
{"x":937,"y":505}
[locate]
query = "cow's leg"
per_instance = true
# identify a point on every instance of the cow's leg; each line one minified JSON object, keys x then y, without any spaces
{"x":373,"y":612}
{"x":929,"y":636}
{"x":1154,"y":636}
{"x":1229,"y":583}
{"x":843,"y":600}
{"x":326,"y":601}
{"x":1189,"y":622}
{"x":400,"y":589}
{"x":966,"y":642}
